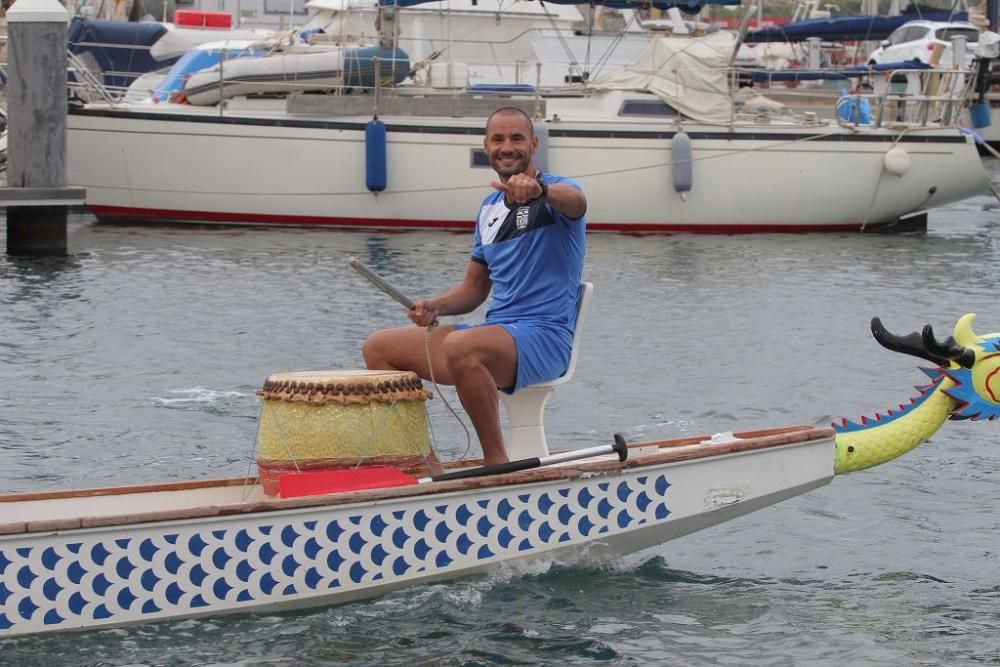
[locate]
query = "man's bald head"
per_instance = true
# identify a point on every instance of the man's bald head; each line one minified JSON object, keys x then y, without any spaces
{"x":508,"y":112}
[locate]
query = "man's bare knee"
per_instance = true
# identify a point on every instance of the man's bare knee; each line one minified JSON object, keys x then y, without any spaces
{"x":376,"y":351}
{"x":458,"y":354}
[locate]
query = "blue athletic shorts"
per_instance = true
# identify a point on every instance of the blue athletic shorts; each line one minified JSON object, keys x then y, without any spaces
{"x":542,"y":350}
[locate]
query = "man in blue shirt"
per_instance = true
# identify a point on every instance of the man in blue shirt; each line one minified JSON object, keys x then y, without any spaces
{"x":528,"y":249}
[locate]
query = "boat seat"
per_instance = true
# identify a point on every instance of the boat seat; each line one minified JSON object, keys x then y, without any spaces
{"x":526,"y":406}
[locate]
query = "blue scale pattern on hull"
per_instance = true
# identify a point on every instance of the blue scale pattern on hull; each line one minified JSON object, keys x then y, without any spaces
{"x":223,"y":565}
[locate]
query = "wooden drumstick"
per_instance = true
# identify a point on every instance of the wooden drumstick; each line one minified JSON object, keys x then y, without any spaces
{"x":383,"y":285}
{"x":380,"y":282}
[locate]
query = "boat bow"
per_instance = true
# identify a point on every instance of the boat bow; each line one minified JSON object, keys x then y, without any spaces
{"x":964,"y":385}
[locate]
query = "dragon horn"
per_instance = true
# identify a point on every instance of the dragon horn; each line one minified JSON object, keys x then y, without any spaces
{"x":912,"y":343}
{"x":964,"y":333}
{"x":948,"y":348}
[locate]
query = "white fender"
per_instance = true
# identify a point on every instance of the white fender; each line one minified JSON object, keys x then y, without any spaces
{"x":680,"y":158}
{"x":897,"y":161}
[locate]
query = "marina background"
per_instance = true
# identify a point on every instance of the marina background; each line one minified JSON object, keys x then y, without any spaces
{"x":136,"y":359}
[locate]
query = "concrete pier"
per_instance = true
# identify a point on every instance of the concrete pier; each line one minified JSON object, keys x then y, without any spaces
{"x":36,"y":130}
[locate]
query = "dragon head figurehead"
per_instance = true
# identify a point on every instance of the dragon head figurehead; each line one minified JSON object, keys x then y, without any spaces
{"x":965,"y":384}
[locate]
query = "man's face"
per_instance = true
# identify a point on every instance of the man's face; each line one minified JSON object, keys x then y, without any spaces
{"x":510,"y":144}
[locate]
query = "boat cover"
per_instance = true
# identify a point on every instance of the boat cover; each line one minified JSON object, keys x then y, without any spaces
{"x":850,"y":28}
{"x":834,"y":74}
{"x":689,"y":74}
{"x":120,"y":51}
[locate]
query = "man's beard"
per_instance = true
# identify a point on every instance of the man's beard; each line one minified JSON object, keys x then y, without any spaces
{"x":520,"y":164}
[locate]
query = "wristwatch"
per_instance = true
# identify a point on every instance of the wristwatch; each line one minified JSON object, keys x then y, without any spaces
{"x":544,"y":186}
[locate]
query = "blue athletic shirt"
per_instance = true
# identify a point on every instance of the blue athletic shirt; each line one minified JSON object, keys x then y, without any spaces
{"x":534,"y":255}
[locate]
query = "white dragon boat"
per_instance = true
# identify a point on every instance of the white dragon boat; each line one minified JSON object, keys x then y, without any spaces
{"x":106,"y":557}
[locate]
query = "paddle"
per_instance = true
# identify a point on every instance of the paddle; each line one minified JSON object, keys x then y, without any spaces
{"x":293,"y":485}
{"x":534,"y":462}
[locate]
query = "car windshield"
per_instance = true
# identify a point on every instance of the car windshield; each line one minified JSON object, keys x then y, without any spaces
{"x":949,"y":34}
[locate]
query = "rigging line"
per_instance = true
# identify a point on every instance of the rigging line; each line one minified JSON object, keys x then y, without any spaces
{"x":459,"y":188}
{"x":995,"y":153}
{"x":562,"y":39}
{"x":952,"y":11}
{"x":871,"y":203}
{"x":619,"y":38}
{"x":464,"y":37}
{"x":878,"y":185}
{"x":343,"y":29}
{"x":868,"y":31}
{"x":430,"y":367}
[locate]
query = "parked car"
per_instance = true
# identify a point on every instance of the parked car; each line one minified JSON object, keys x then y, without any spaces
{"x":915,"y":40}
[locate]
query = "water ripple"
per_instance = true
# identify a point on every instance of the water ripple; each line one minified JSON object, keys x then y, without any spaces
{"x":137,"y":359}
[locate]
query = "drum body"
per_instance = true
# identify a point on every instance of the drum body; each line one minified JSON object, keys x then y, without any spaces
{"x":322,"y":420}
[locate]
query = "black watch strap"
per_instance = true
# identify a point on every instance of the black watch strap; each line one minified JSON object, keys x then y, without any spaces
{"x":544,"y":186}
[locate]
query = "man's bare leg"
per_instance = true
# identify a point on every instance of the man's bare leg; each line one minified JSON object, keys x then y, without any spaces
{"x":476,"y":361}
{"x":479,"y":360}
{"x":405,"y":349}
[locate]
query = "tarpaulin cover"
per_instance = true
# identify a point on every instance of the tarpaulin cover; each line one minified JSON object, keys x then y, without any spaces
{"x":850,"y":28}
{"x":689,"y":74}
{"x":121,"y":50}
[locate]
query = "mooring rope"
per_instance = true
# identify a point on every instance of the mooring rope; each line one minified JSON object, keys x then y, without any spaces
{"x":253,"y":452}
{"x":878,"y":185}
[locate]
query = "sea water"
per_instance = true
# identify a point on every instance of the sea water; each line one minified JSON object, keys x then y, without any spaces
{"x":136,"y":360}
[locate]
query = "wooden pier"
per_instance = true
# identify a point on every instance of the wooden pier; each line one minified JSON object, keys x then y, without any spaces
{"x":37,"y":198}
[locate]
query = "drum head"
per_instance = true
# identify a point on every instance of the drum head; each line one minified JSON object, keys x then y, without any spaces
{"x":348,"y":386}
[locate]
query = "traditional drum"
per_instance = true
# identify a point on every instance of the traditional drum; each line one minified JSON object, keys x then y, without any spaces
{"x":321,"y":420}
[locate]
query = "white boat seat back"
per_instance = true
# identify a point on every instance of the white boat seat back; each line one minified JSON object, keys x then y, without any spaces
{"x":526,"y":406}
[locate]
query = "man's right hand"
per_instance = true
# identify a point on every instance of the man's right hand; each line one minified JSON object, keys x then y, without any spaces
{"x":424,"y":313}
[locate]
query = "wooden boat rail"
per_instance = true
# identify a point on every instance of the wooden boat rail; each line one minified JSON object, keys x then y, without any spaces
{"x":674,"y":450}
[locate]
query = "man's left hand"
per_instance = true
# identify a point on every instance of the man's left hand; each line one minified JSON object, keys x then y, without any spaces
{"x":519,"y":188}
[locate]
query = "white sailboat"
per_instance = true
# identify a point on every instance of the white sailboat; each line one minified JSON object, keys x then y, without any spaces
{"x":658,"y":145}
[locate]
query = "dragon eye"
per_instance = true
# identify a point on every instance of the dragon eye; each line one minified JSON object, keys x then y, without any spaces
{"x":992,"y":384}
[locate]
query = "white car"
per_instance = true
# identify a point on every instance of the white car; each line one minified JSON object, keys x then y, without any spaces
{"x":915,"y":40}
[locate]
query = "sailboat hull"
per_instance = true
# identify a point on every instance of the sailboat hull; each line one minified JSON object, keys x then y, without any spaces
{"x":275,"y":168}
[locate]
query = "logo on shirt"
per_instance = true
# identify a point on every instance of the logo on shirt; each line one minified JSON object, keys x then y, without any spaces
{"x":522,"y":217}
{"x":491,"y":220}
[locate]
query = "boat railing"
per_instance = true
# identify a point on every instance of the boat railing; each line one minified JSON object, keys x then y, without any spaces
{"x":897,"y":99}
{"x":908,"y":98}
{"x":84,"y":83}
{"x":862,"y":96}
